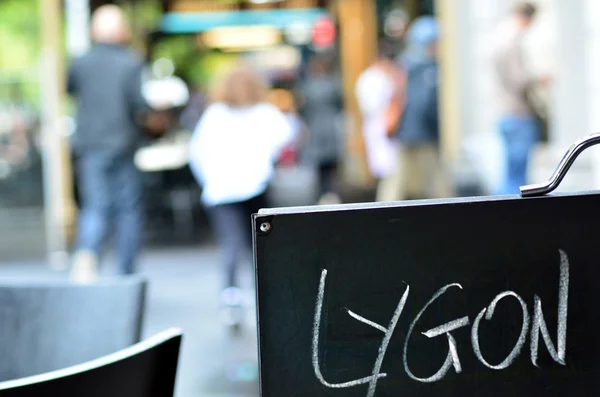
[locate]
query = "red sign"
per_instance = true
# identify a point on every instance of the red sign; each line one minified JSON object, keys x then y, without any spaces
{"x":323,"y":33}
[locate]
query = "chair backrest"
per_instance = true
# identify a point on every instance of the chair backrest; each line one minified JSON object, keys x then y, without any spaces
{"x":49,"y":325}
{"x":147,"y":369}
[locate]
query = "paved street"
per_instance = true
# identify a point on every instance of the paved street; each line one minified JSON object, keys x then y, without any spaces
{"x":184,"y":291}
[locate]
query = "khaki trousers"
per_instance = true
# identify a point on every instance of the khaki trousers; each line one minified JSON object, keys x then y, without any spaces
{"x":419,"y":175}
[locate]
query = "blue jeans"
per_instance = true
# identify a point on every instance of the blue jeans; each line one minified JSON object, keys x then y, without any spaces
{"x":108,"y":185}
{"x":519,"y":134}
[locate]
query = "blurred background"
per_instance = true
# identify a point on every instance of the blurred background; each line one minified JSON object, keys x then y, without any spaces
{"x":189,"y":44}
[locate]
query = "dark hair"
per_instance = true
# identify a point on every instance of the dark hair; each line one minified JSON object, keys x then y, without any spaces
{"x":525,"y":9}
{"x":387,"y":49}
{"x":321,"y":64}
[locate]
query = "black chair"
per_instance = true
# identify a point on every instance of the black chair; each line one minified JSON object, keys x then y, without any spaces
{"x":147,"y":369}
{"x":49,"y":325}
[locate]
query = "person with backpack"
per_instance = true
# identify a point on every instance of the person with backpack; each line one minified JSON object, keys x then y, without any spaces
{"x":419,"y":173}
{"x":518,"y":124}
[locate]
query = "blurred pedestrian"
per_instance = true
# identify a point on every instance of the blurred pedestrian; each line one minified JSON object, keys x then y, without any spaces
{"x":419,"y":173}
{"x":380,"y":94}
{"x":193,"y":111}
{"x":517,"y":125}
{"x":284,"y":101}
{"x":106,"y":82}
{"x":232,"y":154}
{"x":322,"y":110}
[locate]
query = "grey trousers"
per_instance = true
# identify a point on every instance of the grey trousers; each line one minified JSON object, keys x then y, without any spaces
{"x":232,"y":225}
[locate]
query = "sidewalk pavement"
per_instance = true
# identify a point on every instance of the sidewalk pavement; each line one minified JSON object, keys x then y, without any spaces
{"x":184,"y":292}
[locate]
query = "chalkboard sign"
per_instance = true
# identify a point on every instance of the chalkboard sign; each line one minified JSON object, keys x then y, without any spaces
{"x":468,"y":297}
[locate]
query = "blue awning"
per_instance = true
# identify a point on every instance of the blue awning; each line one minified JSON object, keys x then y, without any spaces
{"x":192,"y":22}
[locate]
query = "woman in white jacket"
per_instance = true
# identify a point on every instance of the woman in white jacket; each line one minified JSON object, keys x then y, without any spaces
{"x":232,"y":155}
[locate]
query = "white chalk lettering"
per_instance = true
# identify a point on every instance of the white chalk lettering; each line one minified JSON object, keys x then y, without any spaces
{"x":539,"y":324}
{"x":385,"y":342}
{"x":489,"y":313}
{"x":376,"y":373}
{"x":532,"y":327}
{"x":445,"y":329}
{"x":368,"y":322}
{"x":315,"y":342}
{"x":452,"y":358}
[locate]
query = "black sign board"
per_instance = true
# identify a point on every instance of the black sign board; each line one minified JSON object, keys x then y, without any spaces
{"x":466,"y":297}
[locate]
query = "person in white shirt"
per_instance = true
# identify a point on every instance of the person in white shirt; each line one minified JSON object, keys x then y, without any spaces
{"x":375,"y":92}
{"x":232,"y":155}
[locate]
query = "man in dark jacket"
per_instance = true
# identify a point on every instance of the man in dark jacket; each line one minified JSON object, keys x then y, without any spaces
{"x":420,"y":173}
{"x":106,"y":82}
{"x":322,"y":110}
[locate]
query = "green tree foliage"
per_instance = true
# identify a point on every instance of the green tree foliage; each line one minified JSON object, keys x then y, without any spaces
{"x":19,"y":35}
{"x":19,"y":48}
{"x":196,"y":65}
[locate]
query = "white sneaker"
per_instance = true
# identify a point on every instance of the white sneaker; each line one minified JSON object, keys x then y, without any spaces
{"x":84,"y":269}
{"x":232,"y":307}
{"x":232,"y":296}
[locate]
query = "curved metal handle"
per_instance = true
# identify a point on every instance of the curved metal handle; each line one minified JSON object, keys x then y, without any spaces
{"x":569,"y":158}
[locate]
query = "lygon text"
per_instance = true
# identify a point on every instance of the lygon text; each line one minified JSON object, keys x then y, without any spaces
{"x":533,"y":325}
